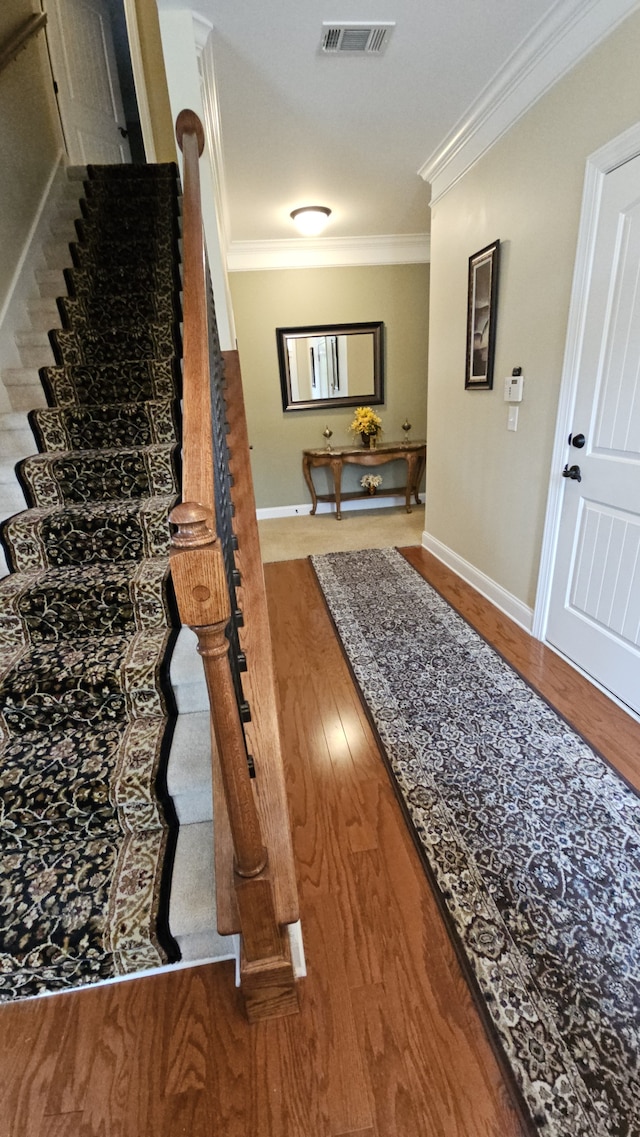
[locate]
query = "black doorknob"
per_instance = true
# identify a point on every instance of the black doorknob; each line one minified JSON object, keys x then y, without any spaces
{"x":577,"y":440}
{"x":572,"y":472}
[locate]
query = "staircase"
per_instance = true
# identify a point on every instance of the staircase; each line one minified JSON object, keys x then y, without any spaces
{"x":192,"y":904}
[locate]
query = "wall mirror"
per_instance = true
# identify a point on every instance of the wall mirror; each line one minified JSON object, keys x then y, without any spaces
{"x":335,"y":365}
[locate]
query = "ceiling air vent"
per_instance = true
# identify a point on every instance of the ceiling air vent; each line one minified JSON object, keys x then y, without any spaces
{"x":357,"y":38}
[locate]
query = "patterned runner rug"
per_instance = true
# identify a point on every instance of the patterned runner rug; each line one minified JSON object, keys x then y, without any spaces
{"x":87,"y":616}
{"x":531,"y":840}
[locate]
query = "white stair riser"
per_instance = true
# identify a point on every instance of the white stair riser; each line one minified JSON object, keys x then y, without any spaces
{"x":7,"y":471}
{"x":36,"y":355}
{"x":187,"y":675}
{"x":189,"y":767}
{"x":17,"y":444}
{"x":56,"y":254}
{"x":27,"y":398}
{"x":69,"y":207}
{"x":29,"y":337}
{"x":50,"y":282}
{"x":20,"y":376}
{"x":63,"y":228}
{"x":11,"y":500}
{"x":42,"y":319}
{"x":192,"y":910}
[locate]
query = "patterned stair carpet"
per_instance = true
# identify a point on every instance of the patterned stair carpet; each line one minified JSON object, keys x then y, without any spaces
{"x":531,"y":840}
{"x":87,"y":618}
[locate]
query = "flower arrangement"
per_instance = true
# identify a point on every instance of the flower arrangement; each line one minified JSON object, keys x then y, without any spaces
{"x":370,"y":482}
{"x":365,"y":421}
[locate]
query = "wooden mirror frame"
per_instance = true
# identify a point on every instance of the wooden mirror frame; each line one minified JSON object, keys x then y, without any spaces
{"x":375,"y":396}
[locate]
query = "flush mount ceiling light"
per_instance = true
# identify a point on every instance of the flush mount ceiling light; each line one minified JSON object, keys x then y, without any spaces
{"x":310,"y":219}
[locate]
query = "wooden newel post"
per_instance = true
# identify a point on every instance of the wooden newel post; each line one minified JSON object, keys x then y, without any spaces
{"x":197,"y":569}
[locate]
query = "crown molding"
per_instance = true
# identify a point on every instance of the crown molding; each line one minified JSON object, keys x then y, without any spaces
{"x":559,"y":41}
{"x":328,"y":252}
{"x":201,"y":30}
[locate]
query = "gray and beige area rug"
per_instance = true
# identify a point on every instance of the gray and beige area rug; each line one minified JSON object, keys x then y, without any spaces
{"x":531,"y":840}
{"x":86,"y":615}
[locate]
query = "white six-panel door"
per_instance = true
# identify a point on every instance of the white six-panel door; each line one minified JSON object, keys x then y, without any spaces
{"x":84,"y":66}
{"x":594,"y":612}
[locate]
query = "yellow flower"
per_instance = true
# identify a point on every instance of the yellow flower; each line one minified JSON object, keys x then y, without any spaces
{"x":365,"y":421}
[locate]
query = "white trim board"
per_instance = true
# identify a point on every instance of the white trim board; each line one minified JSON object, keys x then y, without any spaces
{"x":139,"y":80}
{"x":304,"y":510}
{"x":329,"y":252}
{"x":490,"y":589}
{"x":559,"y":41}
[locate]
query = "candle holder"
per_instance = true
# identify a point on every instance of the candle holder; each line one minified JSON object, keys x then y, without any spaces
{"x":406,"y":426}
{"x":328,"y":434}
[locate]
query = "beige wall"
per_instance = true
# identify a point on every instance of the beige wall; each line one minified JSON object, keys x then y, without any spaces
{"x":487,"y":487}
{"x":262,"y":301}
{"x":30,"y":139}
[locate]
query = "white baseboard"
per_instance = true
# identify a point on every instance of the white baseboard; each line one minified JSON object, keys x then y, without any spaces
{"x":328,"y":507}
{"x":297,"y":950}
{"x":13,"y":313}
{"x":505,"y":601}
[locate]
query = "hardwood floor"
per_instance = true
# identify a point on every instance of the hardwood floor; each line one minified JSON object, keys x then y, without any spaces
{"x":388,"y":1043}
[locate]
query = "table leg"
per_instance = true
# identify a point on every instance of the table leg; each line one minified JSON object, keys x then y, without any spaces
{"x":336,"y":468}
{"x":410,"y":460}
{"x":422,"y":461}
{"x":306,"y":470}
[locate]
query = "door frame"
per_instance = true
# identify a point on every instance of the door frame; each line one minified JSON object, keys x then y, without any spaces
{"x":602,"y":162}
{"x":139,"y":80}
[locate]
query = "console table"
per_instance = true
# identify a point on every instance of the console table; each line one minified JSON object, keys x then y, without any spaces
{"x":413,"y":453}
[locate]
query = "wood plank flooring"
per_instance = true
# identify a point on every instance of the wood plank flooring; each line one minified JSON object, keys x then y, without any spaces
{"x":389,"y":1043}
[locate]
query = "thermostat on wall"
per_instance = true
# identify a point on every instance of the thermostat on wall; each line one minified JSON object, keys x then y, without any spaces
{"x":513,"y":386}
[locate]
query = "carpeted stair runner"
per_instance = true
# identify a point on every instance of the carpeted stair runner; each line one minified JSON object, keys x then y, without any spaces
{"x":87,"y":619}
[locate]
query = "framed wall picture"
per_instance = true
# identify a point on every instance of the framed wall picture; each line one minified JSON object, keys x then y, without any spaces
{"x":482,"y":305}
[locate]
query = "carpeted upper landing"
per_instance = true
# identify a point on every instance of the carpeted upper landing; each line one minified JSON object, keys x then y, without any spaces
{"x":87,"y":617}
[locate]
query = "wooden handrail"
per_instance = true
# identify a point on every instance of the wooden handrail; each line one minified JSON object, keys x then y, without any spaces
{"x":255,"y":877}
{"x":197,"y":465}
{"x":19,"y":40}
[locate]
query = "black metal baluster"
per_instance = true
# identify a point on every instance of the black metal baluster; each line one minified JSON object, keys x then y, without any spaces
{"x":224,"y":506}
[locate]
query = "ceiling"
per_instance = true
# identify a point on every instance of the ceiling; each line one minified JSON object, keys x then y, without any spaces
{"x":348,"y":131}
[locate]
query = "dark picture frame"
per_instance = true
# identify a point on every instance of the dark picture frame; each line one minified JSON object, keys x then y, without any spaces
{"x":333,"y":340}
{"x":482,"y":310}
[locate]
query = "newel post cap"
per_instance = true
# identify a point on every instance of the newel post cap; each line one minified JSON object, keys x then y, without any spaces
{"x":190,"y":518}
{"x":188,"y":122}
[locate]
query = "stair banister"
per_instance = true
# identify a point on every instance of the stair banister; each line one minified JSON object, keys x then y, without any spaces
{"x":196,"y":561}
{"x":253,"y":844}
